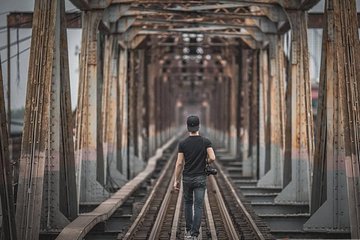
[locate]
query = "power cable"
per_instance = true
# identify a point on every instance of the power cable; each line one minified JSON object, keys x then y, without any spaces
{"x":15,"y":42}
{"x":15,"y":55}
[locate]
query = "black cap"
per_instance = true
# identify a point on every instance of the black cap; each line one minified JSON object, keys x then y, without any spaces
{"x":193,"y":123}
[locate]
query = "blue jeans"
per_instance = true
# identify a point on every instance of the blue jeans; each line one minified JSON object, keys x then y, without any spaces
{"x":194,"y":192}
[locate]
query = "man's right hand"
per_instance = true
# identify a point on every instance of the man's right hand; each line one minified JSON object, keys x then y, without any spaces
{"x":177,"y":185}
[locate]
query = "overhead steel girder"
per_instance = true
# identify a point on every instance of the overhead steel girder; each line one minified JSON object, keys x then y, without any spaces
{"x":265,"y":16}
{"x":126,"y":37}
{"x":213,"y":14}
{"x":124,"y":22}
{"x":115,"y":12}
{"x":274,"y":12}
{"x":91,"y":4}
{"x":287,"y":4}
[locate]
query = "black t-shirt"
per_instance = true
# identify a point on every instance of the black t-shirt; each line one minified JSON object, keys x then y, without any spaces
{"x":194,"y":150}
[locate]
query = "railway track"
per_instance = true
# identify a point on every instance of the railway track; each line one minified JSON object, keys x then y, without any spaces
{"x":102,"y":222}
{"x":246,"y":223}
{"x":225,"y":216}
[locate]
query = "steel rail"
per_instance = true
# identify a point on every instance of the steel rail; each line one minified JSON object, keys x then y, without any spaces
{"x":209,"y":218}
{"x":162,"y":212}
{"x":78,"y":228}
{"x":228,"y":223}
{"x":149,"y":199}
{"x":239,"y":202}
{"x":176,"y":219}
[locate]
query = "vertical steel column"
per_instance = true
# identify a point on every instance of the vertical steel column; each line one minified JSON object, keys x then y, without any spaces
{"x":6,"y":188}
{"x":113,"y":179}
{"x":275,"y":116}
{"x":232,"y":72}
{"x":338,"y":127}
{"x":135,"y":91}
{"x":145,"y":99}
{"x":299,"y":130}
{"x":141,"y":106}
{"x":245,"y":113}
{"x":88,"y":144}
{"x":254,"y":114}
{"x":47,"y":188}
{"x":8,"y":77}
{"x":122,"y":112}
{"x":157,"y":106}
{"x":263,"y":106}
{"x":151,"y":103}
{"x":222,"y":121}
{"x":67,"y":203}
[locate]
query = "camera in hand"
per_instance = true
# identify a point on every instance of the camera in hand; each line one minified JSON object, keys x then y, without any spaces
{"x":210,"y":170}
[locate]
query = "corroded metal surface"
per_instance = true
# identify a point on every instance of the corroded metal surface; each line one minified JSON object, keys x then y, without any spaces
{"x":46,"y":191}
{"x":335,"y":189}
{"x":244,"y":107}
{"x":299,"y":129}
{"x":145,"y":64}
{"x":88,"y":134}
{"x":274,"y":117}
{"x":254,"y":115}
{"x":6,"y":188}
{"x":110,"y":175}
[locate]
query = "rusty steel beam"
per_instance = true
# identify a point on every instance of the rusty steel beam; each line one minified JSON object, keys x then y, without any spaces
{"x":318,"y":20}
{"x":254,"y":114}
{"x":335,"y":188}
{"x":131,"y":108}
{"x":6,"y":188}
{"x":299,"y":124}
{"x":81,"y":4}
{"x":122,"y":111}
{"x":151,"y":72}
{"x":88,"y":145}
{"x":244,"y":83}
{"x":275,"y":117}
{"x":128,"y":36}
{"x":231,"y":70}
{"x":111,"y":176}
{"x":46,"y":196}
{"x":73,"y":20}
{"x":67,"y":192}
{"x":135,"y":111}
{"x":263,"y":96}
{"x":25,"y":20}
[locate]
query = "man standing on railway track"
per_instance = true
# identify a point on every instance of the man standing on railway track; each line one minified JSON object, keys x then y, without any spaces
{"x":193,"y":153}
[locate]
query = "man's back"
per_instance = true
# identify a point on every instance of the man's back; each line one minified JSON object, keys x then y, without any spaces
{"x":194,"y":150}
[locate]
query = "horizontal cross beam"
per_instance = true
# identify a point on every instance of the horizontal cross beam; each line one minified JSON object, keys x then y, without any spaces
{"x":24,"y":20}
